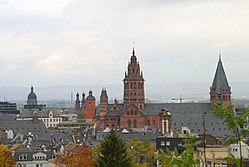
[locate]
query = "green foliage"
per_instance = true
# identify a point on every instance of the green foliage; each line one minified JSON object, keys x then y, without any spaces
{"x":140,"y":148}
{"x":187,"y":158}
{"x":113,"y":152}
{"x":234,"y":122}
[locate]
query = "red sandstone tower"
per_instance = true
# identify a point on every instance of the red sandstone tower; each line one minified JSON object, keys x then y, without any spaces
{"x":134,"y":84}
{"x":220,"y":89}
{"x":90,"y":107}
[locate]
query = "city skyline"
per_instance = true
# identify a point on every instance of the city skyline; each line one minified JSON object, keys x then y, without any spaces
{"x":50,"y":43}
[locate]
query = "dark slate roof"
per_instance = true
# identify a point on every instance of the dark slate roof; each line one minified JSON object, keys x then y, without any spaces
{"x":23,"y":126}
{"x":29,"y":113}
{"x":220,"y":83}
{"x":184,"y":114}
{"x":32,"y":95}
{"x":29,"y":154}
{"x":90,"y":96}
{"x":58,"y":136}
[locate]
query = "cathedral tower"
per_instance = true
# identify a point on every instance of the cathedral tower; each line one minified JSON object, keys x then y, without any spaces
{"x":134,"y":84}
{"x":220,"y":89}
{"x":103,"y":100}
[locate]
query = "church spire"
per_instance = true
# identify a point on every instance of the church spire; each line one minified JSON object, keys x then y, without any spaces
{"x":220,"y":89}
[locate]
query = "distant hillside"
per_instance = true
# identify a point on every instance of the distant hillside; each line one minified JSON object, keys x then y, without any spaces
{"x":194,"y":91}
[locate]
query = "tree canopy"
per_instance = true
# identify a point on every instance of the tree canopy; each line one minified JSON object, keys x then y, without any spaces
{"x":113,"y":152}
{"x":6,"y":158}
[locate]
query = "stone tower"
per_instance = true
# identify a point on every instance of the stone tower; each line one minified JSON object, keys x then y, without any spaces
{"x":134,"y":84}
{"x":220,"y":89}
{"x":103,"y":100}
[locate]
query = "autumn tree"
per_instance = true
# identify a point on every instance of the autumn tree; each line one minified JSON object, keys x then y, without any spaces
{"x":79,"y":156}
{"x":113,"y":152}
{"x":142,"y":149}
{"x":6,"y":158}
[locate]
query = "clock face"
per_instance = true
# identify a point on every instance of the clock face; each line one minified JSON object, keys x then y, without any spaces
{"x":126,"y":81}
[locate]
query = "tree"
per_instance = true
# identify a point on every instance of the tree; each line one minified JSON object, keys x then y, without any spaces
{"x":113,"y":152}
{"x":234,"y":122}
{"x":80,"y":155}
{"x":187,"y":158}
{"x":6,"y":158}
{"x":142,"y":149}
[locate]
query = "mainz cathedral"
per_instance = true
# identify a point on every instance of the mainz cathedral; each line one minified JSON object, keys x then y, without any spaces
{"x":136,"y":115}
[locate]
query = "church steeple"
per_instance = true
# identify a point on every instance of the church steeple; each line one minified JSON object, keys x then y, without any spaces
{"x":220,"y":89}
{"x":134,"y":84}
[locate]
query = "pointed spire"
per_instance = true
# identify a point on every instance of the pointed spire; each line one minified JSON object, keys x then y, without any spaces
{"x":220,"y":83}
{"x":219,"y":56}
{"x":133,"y":52}
{"x":32,"y":89}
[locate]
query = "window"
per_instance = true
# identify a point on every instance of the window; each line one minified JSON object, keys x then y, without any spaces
{"x":149,"y":122}
{"x":135,"y":123}
{"x":235,"y":149}
{"x":129,"y":123}
{"x":167,"y":143}
{"x":162,"y":143}
{"x":128,"y":113}
{"x":23,"y":157}
{"x":154,"y":122}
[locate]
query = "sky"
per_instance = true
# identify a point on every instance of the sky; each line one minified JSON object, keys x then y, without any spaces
{"x":80,"y":42}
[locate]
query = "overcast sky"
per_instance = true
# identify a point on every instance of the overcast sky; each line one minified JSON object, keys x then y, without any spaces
{"x":80,"y":42}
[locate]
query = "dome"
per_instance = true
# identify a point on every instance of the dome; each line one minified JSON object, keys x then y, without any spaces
{"x":32,"y":98}
{"x":90,"y":96}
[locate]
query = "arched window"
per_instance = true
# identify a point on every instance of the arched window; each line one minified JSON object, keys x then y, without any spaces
{"x":135,"y":85}
{"x":129,"y":123}
{"x":135,"y":123}
{"x":131,"y":85}
{"x":139,"y":87}
{"x":131,"y":112}
{"x":133,"y":70}
{"x":128,"y":113}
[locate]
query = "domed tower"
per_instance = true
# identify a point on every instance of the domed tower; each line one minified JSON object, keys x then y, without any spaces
{"x":220,"y":89}
{"x":90,"y":106}
{"x":83,"y":102}
{"x":32,"y":98}
{"x":134,"y":84}
{"x":77,"y":102}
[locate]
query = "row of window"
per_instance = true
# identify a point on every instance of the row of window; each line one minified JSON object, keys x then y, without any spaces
{"x":131,"y":112}
{"x":130,"y":93}
{"x":134,"y":123}
{"x":51,"y":120}
{"x":133,"y":85}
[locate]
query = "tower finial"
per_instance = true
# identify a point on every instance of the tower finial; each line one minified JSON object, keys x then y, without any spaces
{"x":133,"y":52}
{"x":219,"y":56}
